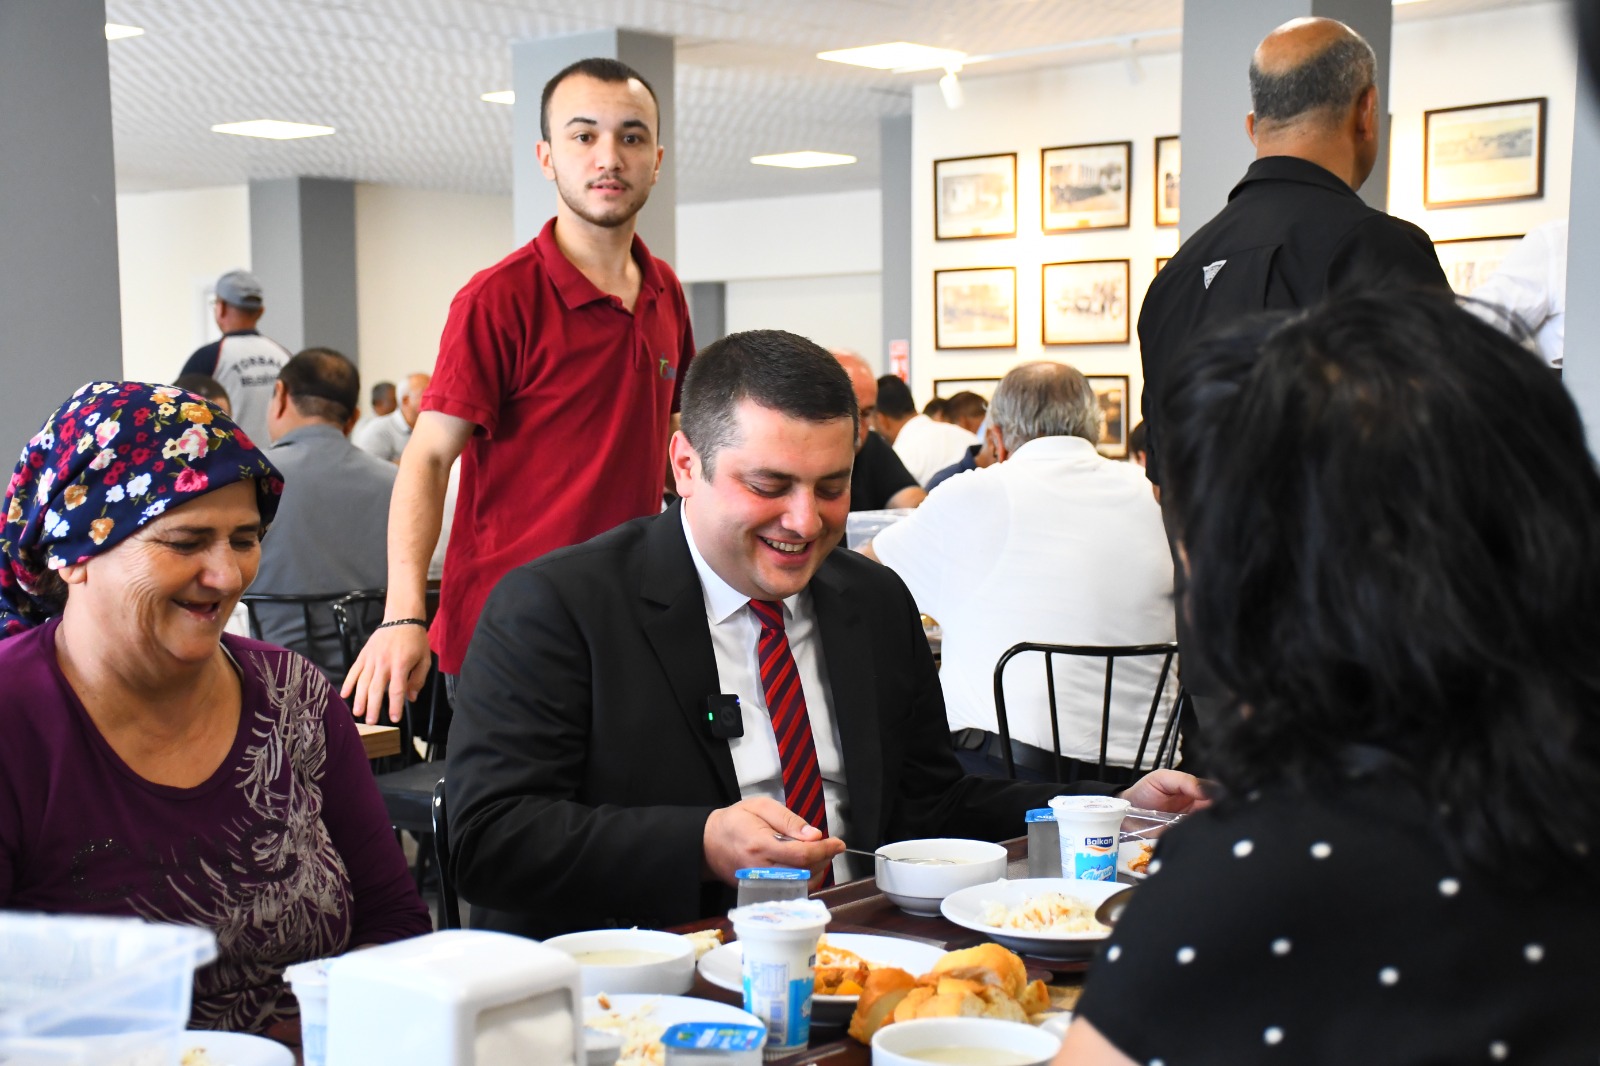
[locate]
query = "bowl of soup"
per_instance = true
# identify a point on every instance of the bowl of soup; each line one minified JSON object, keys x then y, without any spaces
{"x":917,"y":875}
{"x":963,"y":1042}
{"x":630,"y":960}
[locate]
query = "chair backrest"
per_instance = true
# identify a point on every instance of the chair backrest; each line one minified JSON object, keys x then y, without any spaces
{"x":321,"y":635}
{"x":449,"y":906}
{"x":1110,"y":653}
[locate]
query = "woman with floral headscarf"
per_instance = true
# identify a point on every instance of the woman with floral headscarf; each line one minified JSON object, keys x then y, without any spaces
{"x":150,"y":765}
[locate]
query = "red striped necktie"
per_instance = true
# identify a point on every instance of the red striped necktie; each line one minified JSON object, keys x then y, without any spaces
{"x":786,"y":702}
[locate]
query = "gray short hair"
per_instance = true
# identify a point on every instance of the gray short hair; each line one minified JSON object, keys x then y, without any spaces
{"x":1044,"y":399}
{"x":1320,"y":87}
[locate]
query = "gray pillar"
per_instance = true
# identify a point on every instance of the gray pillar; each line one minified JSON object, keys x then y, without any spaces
{"x":1580,"y":362}
{"x":303,"y":248}
{"x":708,"y":310}
{"x":60,"y":317}
{"x":535,"y":62}
{"x":1219,"y":36}
{"x":895,"y":177}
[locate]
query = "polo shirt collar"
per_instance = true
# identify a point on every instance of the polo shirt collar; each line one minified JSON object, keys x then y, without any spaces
{"x":576,"y":290}
{"x":1292,"y":168}
{"x":320,"y":432}
{"x":722,"y":599}
{"x":1048,"y":449}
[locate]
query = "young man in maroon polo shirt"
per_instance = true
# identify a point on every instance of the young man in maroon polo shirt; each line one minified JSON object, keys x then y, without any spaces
{"x":556,"y":381}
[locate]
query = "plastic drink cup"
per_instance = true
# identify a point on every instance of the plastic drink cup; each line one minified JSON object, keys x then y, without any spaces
{"x":309,"y":981}
{"x":767,"y":884}
{"x":1090,"y":828}
{"x":779,"y":967}
{"x":1044,"y":844}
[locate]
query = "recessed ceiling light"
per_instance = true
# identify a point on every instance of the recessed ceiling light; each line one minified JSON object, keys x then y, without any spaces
{"x":897,"y":56}
{"x":504,"y":96}
{"x":802,"y":160}
{"x":116,"y":31}
{"x":1401,"y":3}
{"x":272,"y":129}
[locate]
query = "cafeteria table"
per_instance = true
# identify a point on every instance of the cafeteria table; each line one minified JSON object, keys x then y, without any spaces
{"x":380,"y":741}
{"x":858,"y":907}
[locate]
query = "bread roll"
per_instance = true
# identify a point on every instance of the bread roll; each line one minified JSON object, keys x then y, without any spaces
{"x":880,"y":995}
{"x":989,"y":963}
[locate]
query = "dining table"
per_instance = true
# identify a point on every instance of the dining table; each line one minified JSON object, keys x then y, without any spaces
{"x":379,"y":741}
{"x":858,"y":907}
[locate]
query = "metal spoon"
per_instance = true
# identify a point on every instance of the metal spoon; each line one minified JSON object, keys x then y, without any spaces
{"x":874,"y":855}
{"x":1111,"y":909}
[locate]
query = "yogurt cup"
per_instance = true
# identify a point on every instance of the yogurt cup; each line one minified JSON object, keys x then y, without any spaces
{"x":779,"y":960}
{"x":1090,"y":829}
{"x":309,"y":981}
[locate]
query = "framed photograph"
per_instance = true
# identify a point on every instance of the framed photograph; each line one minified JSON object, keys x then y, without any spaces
{"x":1161,"y":261}
{"x":1112,"y":392}
{"x":975,"y":196}
{"x":1085,"y":186}
{"x":947,"y":387}
{"x":1169,"y":168}
{"x":1086,"y":302}
{"x":975,"y":308}
{"x":1468,"y":262}
{"x":1483,"y":154}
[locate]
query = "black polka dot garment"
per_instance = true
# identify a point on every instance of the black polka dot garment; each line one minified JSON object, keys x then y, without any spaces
{"x":1337,"y":931}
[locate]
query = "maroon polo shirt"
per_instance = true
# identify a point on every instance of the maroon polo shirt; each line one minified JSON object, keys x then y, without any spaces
{"x":572,"y":396}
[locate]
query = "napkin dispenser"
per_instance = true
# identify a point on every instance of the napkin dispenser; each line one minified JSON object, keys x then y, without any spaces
{"x":457,"y":997}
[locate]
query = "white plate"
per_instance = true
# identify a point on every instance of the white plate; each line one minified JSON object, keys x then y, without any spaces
{"x":1129,"y":852}
{"x":723,"y":966}
{"x":965,"y":908}
{"x":236,"y":1049}
{"x":671,"y":1010}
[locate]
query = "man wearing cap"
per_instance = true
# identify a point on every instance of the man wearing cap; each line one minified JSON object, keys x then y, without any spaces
{"x":243,"y":361}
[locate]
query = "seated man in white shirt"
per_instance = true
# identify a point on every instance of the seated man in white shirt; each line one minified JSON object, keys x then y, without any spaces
{"x":1051,"y":544}
{"x":386,"y":437}
{"x":925,"y":446}
{"x":1530,"y":285}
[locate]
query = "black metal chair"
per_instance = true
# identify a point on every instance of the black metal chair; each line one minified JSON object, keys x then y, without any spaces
{"x":323,"y":639}
{"x":449,"y":905}
{"x":1167,"y":651}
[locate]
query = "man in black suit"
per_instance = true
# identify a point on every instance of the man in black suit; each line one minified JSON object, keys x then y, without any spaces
{"x":600,"y":774}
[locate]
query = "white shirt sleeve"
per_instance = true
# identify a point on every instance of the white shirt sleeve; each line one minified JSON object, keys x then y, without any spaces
{"x":965,"y":521}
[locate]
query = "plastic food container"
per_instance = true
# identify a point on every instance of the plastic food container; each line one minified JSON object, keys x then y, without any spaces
{"x":106,"y":991}
{"x":713,"y":1044}
{"x":1089,"y":827}
{"x":778,"y":967}
{"x":769,"y":884}
{"x":1044,"y":844}
{"x":309,"y":982}
{"x":862,"y":526}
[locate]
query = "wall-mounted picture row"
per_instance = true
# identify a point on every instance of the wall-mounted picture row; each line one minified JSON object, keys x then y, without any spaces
{"x":1483,"y":153}
{"x":1111,"y":391}
{"x":1086,"y":302}
{"x":975,"y":308}
{"x":1169,"y":170}
{"x":1085,"y":186}
{"x":975,"y":196}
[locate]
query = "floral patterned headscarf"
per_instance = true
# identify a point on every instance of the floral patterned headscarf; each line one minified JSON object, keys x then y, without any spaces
{"x":111,"y":459}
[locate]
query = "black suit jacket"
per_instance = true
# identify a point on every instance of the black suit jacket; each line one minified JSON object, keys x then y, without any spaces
{"x":581,"y":769}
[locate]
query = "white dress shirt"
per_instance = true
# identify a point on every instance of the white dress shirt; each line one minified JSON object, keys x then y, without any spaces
{"x":734,"y":632}
{"x":1531,"y":283}
{"x":1056,"y":545}
{"x":927,"y":447}
{"x":384,"y":437}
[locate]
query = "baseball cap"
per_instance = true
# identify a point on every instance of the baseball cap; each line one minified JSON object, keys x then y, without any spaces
{"x":240,"y":288}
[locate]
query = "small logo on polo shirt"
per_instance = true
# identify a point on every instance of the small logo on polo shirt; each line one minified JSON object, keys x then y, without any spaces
{"x":668,"y":371}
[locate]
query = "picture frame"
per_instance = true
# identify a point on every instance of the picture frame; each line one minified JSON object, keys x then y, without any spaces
{"x":1085,"y":302}
{"x":1169,"y":173}
{"x":1112,"y":393}
{"x":975,"y":196}
{"x":1161,"y":261}
{"x":948,"y":387}
{"x":975,"y":307}
{"x":1484,"y":153}
{"x":1468,"y":261}
{"x":1085,"y":186}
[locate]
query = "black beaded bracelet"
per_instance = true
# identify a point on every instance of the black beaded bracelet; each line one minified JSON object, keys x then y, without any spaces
{"x":405,"y":622}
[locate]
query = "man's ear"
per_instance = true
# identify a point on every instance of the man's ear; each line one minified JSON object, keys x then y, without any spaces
{"x":280,"y":399}
{"x":350,"y":423}
{"x":997,"y":444}
{"x":684,"y":463}
{"x":1250,"y":126}
{"x":1367,"y":114}
{"x":542,"y":150}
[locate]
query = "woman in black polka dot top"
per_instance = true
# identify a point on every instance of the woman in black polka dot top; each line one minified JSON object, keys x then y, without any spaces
{"x":1392,"y":525}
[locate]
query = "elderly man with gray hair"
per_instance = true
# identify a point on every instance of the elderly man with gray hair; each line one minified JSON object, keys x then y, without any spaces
{"x":1053,"y":543}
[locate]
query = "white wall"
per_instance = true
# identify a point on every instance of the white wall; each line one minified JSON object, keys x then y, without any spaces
{"x":836,"y":311}
{"x":414,"y":251}
{"x":171,"y":247}
{"x":792,"y":236}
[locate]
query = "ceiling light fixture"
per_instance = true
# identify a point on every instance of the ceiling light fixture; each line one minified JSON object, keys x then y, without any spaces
{"x":272,"y":129}
{"x":504,"y":96}
{"x":950,"y":88}
{"x":803,"y":160}
{"x":116,"y":31}
{"x":898,"y":56}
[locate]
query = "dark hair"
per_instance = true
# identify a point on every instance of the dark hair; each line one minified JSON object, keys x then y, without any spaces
{"x":964,"y":405}
{"x":1392,"y":521}
{"x":381,"y":391}
{"x":1324,"y":84}
{"x":769,"y":367}
{"x":322,"y":383}
{"x":600,"y":69}
{"x":203,"y":385}
{"x":1136,"y":442}
{"x":894,"y":398}
{"x":935,"y":408}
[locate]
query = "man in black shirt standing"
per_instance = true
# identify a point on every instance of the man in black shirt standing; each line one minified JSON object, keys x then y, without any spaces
{"x":1294,"y":231}
{"x":879,"y":478}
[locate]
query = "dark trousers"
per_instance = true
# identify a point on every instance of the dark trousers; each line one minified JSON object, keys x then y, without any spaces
{"x":981,"y":753}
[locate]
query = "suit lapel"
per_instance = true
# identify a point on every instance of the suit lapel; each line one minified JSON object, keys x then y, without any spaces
{"x":675,"y":625}
{"x":847,"y":651}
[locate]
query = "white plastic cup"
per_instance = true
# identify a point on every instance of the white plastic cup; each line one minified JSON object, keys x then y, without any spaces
{"x":1090,"y":828}
{"x":779,"y":960}
{"x":309,"y":982}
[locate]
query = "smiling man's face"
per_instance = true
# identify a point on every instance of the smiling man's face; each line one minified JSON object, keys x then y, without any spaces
{"x":775,"y":503}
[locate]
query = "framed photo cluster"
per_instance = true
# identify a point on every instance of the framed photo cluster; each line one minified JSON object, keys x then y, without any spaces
{"x":1483,"y":153}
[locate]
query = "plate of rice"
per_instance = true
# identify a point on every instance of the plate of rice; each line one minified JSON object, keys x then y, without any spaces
{"x":1046,"y":917}
{"x":639,"y":1020}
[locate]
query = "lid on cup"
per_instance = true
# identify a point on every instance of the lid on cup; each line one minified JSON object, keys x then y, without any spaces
{"x":771,"y":873}
{"x":780,"y":916}
{"x":714,"y":1036}
{"x":1088,"y":805}
{"x":1041,"y":814}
